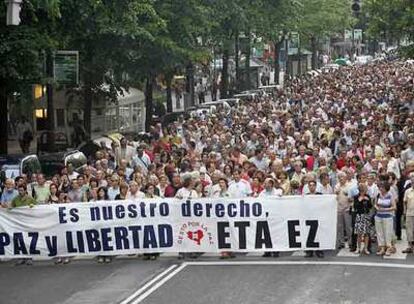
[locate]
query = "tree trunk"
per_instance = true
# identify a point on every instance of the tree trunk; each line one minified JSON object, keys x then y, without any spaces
{"x":247,"y":63}
{"x":224,"y":84}
{"x":299,"y":61}
{"x":288,"y":69}
{"x":50,"y":106}
{"x":3,"y":121}
{"x":149,"y":87}
{"x":278,"y":45}
{"x":314,"y":47}
{"x":87,"y":110}
{"x":190,"y":83}
{"x":168,"y":80}
{"x":236,"y":59}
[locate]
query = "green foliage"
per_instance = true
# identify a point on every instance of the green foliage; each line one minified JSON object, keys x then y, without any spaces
{"x":278,"y":18}
{"x":390,"y":17}
{"x":321,"y":18}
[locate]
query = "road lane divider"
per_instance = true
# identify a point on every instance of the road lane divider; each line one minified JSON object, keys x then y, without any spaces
{"x":137,"y":293}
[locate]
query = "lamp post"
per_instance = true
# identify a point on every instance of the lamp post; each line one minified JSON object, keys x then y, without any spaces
{"x":13,"y":11}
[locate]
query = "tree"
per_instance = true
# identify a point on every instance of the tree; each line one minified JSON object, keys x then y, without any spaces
{"x":108,"y":34}
{"x":21,"y":54}
{"x":175,"y":47}
{"x":280,"y":17}
{"x":391,"y":20}
{"x":322,"y":18}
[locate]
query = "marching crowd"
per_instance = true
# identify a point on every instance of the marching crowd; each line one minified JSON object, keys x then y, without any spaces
{"x":349,"y":132}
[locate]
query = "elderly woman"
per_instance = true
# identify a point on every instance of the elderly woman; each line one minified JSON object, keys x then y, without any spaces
{"x":385,"y":205}
{"x":362,"y":206}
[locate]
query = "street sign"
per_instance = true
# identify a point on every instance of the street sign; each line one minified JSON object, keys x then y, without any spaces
{"x":66,"y":67}
{"x":348,"y":35}
{"x":357,"y":34}
{"x":293,"y":43}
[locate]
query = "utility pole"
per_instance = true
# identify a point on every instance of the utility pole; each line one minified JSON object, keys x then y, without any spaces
{"x":50,"y":106}
{"x":13,"y":11}
{"x":12,"y":18}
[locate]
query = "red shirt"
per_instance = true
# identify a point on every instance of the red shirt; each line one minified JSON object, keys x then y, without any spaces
{"x":340,"y":163}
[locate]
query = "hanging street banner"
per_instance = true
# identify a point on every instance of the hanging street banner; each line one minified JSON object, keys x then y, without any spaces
{"x":348,"y":35}
{"x":293,"y":43}
{"x":357,"y":34}
{"x":169,"y":225}
{"x":66,"y":67}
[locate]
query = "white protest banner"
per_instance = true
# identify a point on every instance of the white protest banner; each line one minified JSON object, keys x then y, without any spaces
{"x":169,"y":225}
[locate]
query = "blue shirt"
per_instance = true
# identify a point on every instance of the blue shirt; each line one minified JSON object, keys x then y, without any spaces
{"x":384,"y":202}
{"x":8,"y":195}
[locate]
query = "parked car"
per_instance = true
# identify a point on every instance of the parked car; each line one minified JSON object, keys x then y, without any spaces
{"x":361,"y":60}
{"x":53,"y":163}
{"x":61,"y":142}
{"x":12,"y":166}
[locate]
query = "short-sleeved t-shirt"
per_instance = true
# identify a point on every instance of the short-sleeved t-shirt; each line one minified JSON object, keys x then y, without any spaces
{"x":19,"y":201}
{"x":409,"y":199}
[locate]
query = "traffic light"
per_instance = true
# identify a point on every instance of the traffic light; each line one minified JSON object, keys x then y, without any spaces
{"x":356,"y":6}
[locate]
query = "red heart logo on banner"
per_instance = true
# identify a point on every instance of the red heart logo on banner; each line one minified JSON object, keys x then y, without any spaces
{"x":195,"y":236}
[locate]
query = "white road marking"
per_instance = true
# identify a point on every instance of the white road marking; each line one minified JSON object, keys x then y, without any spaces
{"x":157,"y":285}
{"x":399,"y":246}
{"x":211,"y":255}
{"x":143,"y":288}
{"x":169,"y":255}
{"x":330,"y":263}
{"x":84,"y":257}
{"x":254,"y":254}
{"x":344,"y":252}
{"x":300,"y":253}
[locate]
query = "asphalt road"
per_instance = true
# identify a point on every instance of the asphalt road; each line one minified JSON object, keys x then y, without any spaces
{"x":295,"y":284}
{"x":78,"y":282}
{"x":86,"y":282}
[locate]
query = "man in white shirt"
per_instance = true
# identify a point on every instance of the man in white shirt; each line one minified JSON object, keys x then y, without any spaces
{"x":409,"y":215}
{"x":124,"y":151}
{"x":408,"y":154}
{"x":134,"y":193}
{"x":239,"y":188}
{"x":141,"y":160}
{"x":261,"y":162}
{"x":269,"y":189}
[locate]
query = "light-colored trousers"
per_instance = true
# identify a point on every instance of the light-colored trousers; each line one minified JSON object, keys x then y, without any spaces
{"x":385,"y":230}
{"x":409,"y":226}
{"x":344,"y":227}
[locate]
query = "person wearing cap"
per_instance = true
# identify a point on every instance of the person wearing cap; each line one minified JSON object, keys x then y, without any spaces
{"x":141,"y":159}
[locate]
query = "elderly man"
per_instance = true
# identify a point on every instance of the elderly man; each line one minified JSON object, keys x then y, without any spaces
{"x":141,"y":159}
{"x":9,"y":193}
{"x":409,"y":215}
{"x":408,"y":154}
{"x":124,"y":151}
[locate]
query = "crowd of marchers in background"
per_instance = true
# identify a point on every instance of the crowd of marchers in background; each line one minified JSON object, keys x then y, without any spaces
{"x":349,"y":133}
